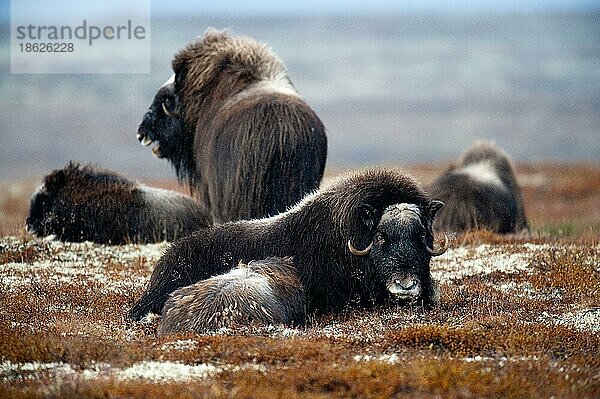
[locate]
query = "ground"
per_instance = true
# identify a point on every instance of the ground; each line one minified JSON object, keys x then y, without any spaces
{"x":519,"y":317}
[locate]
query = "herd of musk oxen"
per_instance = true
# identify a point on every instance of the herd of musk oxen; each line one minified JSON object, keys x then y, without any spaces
{"x":260,"y":241}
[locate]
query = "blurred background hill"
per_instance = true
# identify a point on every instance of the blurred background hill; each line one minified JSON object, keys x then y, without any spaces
{"x":394,"y":82}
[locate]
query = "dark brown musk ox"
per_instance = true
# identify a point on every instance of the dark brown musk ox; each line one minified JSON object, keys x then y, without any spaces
{"x":83,"y":203}
{"x":480,"y":192}
{"x":235,"y":129}
{"x":260,"y":292}
{"x":326,"y":235}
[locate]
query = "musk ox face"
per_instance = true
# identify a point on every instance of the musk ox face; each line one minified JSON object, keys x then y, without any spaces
{"x":47,"y":205}
{"x":162,"y":125}
{"x":401,"y":251}
{"x":40,"y":218}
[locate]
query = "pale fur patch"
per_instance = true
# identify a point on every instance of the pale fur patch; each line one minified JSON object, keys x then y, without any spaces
{"x":482,"y":172}
{"x":250,"y":279}
{"x":169,"y":81}
{"x":40,"y":189}
{"x":278,"y":84}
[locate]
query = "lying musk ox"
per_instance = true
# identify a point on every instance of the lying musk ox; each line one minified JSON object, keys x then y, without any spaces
{"x":236,"y":130}
{"x":480,"y":192}
{"x":327,"y":234}
{"x":263,"y":292}
{"x":82,"y":203}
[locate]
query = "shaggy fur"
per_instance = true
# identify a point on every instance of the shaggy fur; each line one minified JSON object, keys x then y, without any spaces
{"x":314,"y":233}
{"x":263,"y":292}
{"x":480,"y":192}
{"x":236,"y":130}
{"x":82,"y":203}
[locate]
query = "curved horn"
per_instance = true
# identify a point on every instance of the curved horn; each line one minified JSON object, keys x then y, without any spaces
{"x":357,"y":252}
{"x":166,"y":110}
{"x":439,"y":252}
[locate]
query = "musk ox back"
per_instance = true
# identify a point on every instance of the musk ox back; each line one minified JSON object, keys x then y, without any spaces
{"x":82,"y":203}
{"x":324,"y":234}
{"x":261,"y":292}
{"x":480,"y":192}
{"x":234,"y":127}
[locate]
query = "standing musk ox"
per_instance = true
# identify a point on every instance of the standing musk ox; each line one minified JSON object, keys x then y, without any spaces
{"x":81,"y":203}
{"x":480,"y":192}
{"x":236,"y":130}
{"x":332,"y":237}
{"x":263,"y":292}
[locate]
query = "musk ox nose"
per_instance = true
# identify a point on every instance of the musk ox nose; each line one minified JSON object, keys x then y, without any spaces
{"x":145,"y":129}
{"x":408,"y":287}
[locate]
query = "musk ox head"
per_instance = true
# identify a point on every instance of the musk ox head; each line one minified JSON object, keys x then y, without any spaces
{"x":41,"y":221}
{"x":401,"y":250}
{"x":71,"y":200}
{"x":163,"y":126}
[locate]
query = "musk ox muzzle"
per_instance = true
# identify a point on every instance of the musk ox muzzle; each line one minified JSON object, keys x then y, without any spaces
{"x":407,"y":287}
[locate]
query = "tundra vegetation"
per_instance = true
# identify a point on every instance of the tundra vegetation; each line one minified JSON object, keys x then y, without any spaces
{"x":518,"y":317}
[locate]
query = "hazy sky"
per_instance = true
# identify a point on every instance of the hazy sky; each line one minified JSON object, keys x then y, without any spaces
{"x":364,"y":6}
{"x":279,"y":7}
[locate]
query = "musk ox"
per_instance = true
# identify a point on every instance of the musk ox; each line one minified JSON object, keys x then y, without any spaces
{"x":327,"y":234}
{"x":236,"y":130}
{"x":480,"y":192}
{"x":82,"y":203}
{"x":264,"y":292}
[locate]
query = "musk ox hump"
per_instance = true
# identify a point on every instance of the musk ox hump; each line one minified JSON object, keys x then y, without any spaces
{"x":483,"y":172}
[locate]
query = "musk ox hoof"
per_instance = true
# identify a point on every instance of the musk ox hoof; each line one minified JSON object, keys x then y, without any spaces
{"x":264,"y":292}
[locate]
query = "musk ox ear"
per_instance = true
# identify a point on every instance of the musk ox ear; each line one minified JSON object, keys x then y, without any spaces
{"x":212,"y":34}
{"x":368,"y":216}
{"x":434,"y":207}
{"x":180,"y":70}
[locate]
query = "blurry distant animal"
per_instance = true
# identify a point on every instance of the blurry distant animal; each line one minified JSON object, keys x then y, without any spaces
{"x":480,"y":192}
{"x":82,"y":203}
{"x":343,"y":240}
{"x":234,"y":127}
{"x":263,"y":292}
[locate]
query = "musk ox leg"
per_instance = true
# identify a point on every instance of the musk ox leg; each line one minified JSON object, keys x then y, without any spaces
{"x":165,"y":278}
{"x":264,"y":292}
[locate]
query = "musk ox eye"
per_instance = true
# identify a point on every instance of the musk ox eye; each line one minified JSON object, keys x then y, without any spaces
{"x":380,"y":238}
